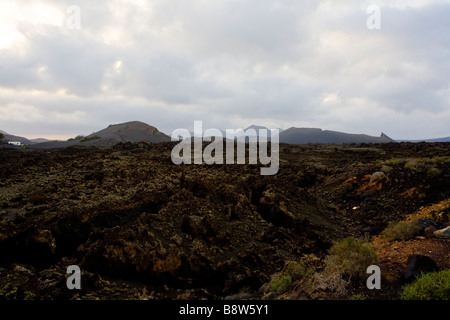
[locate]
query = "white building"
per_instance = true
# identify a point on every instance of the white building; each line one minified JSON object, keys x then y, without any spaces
{"x":15,"y":143}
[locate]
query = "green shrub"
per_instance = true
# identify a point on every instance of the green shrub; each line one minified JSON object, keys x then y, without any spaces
{"x":357,"y":297}
{"x":294,"y":271}
{"x":351,"y":257}
{"x":79,"y":137}
{"x":394,"y":161}
{"x":411,"y":164}
{"x":89,"y":138}
{"x":441,"y":159}
{"x":400,"y":231}
{"x":429,"y":286}
{"x":386,"y":169}
{"x":434,"y":172}
{"x":280,"y":283}
{"x":298,"y":270}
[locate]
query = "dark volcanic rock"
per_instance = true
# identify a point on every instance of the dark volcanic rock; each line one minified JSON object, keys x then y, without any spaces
{"x":193,"y":225}
{"x":424,"y":223}
{"x":128,"y":215}
{"x":418,"y":264}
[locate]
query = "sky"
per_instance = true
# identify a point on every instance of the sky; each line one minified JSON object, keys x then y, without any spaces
{"x":75,"y":67}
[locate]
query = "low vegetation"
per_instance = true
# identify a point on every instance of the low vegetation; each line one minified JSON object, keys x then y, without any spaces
{"x":351,"y":257}
{"x":294,"y":271}
{"x":298,"y":270}
{"x":434,"y":172}
{"x":400,"y":231}
{"x":129,"y":215}
{"x":89,"y":138}
{"x":280,"y":283}
{"x":79,"y":137}
{"x":386,"y":169}
{"x":424,"y":164}
{"x":430,"y":286}
{"x":441,"y":159}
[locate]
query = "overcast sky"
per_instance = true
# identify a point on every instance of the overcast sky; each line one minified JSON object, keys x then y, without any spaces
{"x":230,"y":63}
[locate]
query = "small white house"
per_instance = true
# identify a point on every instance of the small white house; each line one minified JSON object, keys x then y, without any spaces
{"x":15,"y":143}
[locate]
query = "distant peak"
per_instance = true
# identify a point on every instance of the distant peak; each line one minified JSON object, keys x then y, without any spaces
{"x":254,"y":126}
{"x":126,"y":123}
{"x":385,"y":136}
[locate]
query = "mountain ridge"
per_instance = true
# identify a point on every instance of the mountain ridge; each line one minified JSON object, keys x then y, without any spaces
{"x":136,"y":131}
{"x":295,"y":135}
{"x":131,"y":131}
{"x":11,"y":137}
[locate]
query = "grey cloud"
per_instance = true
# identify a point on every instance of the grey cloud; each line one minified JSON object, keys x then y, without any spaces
{"x":224,"y":62}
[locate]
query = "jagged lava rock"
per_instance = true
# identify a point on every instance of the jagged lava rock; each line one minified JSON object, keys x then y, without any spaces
{"x":418,"y":264}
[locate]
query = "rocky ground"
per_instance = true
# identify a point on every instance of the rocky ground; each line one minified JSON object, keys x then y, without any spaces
{"x":140,"y":227}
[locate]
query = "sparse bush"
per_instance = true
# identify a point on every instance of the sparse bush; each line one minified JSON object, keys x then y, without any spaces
{"x":394,"y":161}
{"x":386,"y":169}
{"x":298,"y":270}
{"x":280,"y":283}
{"x":434,"y":172}
{"x":419,"y":164}
{"x":357,"y":297}
{"x":400,"y":231}
{"x":411,"y":164}
{"x":89,"y":138}
{"x":331,"y":280}
{"x":442,"y":159}
{"x":78,"y":137}
{"x":429,"y":286}
{"x":293,"y":271}
{"x":351,"y":257}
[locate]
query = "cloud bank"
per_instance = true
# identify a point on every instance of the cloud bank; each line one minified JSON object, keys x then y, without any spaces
{"x":228,"y":63}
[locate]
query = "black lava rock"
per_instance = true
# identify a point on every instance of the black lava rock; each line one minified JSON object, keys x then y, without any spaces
{"x":422,"y":224}
{"x":417,"y":265}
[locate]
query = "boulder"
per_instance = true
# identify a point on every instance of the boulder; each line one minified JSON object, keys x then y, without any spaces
{"x":418,"y":264}
{"x":429,"y":231}
{"x":193,"y":225}
{"x":442,"y":233}
{"x":424,"y":223}
{"x":377,"y":176}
